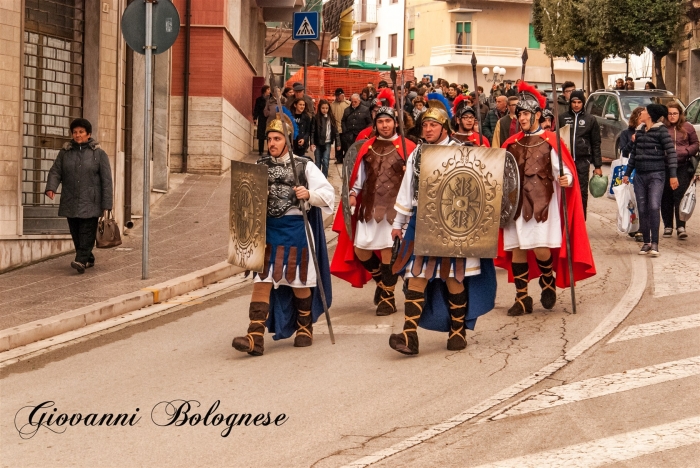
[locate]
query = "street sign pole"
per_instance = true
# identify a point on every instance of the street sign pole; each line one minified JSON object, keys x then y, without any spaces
{"x":144,"y":23}
{"x":306,"y":67}
{"x":148,"y":49}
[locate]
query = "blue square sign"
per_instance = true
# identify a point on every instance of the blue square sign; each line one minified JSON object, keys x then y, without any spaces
{"x":305,"y":25}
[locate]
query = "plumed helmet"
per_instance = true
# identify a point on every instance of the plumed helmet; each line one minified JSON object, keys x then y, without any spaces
{"x":457,"y":105}
{"x":274,"y":123}
{"x":438,"y":100}
{"x":385,"y":111}
{"x":530,"y":100}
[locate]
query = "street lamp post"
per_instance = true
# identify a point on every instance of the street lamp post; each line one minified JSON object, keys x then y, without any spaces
{"x":498,"y":74}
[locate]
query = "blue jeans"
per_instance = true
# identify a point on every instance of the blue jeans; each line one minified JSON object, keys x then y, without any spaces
{"x":322,"y":155}
{"x":648,"y":189}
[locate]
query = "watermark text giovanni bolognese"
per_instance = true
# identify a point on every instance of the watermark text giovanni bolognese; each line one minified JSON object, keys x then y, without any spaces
{"x":175,"y":413}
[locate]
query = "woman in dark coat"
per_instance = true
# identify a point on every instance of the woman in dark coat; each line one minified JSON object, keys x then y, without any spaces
{"x":301,"y":117}
{"x":82,"y":167}
{"x":325,"y":135}
{"x":654,"y":158}
{"x":260,"y":117}
{"x":685,"y":140}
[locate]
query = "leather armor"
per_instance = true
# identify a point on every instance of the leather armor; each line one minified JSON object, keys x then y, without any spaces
{"x":533,"y":155}
{"x":280,"y":184}
{"x":384,"y":168}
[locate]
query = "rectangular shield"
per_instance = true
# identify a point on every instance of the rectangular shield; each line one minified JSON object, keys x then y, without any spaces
{"x":247,"y":216}
{"x":459,"y":201}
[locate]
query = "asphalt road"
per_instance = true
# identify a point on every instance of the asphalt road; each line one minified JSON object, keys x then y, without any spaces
{"x":358,"y":397}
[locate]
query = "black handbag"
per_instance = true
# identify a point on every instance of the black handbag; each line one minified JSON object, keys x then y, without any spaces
{"x":108,"y":235}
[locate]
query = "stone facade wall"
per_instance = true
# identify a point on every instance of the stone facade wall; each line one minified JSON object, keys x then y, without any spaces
{"x":10,"y":103}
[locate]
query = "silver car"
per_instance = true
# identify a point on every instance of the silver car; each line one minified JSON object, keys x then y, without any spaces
{"x":612,"y":110}
{"x":692,"y":114}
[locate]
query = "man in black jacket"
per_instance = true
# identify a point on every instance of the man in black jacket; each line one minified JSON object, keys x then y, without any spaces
{"x":585,"y":141}
{"x":355,"y":119}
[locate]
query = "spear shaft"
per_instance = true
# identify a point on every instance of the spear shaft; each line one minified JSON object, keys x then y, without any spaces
{"x":478,"y":103}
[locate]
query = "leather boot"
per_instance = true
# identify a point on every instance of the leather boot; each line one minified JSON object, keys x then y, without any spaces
{"x":406,"y":342}
{"x":457,"y":339}
{"x":373,"y":265}
{"x":387,"y":302}
{"x":548,"y":284}
{"x":523,"y":302}
{"x":305,"y":329}
{"x":253,"y":342}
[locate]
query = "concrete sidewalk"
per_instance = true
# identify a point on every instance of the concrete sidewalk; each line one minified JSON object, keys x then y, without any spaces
{"x":188,"y":233}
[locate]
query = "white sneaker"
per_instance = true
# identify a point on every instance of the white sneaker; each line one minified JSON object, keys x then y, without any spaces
{"x":654,"y":251}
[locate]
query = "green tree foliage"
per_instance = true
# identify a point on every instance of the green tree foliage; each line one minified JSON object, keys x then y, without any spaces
{"x":600,"y":28}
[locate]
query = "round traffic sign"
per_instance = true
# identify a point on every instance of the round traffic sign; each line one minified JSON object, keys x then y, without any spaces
{"x":166,"y":26}
{"x":312,"y":53}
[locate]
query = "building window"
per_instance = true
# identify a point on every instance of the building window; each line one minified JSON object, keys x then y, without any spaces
{"x":464,"y":33}
{"x":411,"y":41}
{"x":393,"y":44}
{"x":378,"y":52}
{"x":532,"y":42}
{"x":393,"y":1}
{"x":363,"y":46}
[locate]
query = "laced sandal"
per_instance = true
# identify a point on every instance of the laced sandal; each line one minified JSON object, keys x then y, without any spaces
{"x":406,"y":342}
{"x":253,"y":342}
{"x":304,"y":336}
{"x":457,"y":340}
{"x":387,"y":301}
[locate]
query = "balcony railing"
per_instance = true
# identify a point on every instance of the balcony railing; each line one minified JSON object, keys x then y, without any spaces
{"x":365,"y":15}
{"x":455,"y":49}
{"x":455,"y":54}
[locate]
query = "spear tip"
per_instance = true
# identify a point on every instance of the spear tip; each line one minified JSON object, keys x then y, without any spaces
{"x":473,"y":59}
{"x":524,"y":54}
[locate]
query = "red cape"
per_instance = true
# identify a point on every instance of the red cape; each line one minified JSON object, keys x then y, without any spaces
{"x":581,"y":255}
{"x":365,"y":133}
{"x":345,"y":264}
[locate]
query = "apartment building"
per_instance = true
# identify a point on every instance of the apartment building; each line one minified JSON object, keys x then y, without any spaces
{"x":378,"y":31}
{"x":442,"y":35}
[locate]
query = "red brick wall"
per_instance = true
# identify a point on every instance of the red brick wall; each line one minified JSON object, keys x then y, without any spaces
{"x":217,"y":66}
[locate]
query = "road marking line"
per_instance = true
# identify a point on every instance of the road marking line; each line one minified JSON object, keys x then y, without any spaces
{"x":355,"y":329}
{"x":655,"y":328}
{"x":612,"y":449}
{"x":676,"y":273}
{"x":629,"y":300}
{"x":600,"y":386}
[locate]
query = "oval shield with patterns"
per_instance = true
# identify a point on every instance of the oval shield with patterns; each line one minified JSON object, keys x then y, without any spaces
{"x":511,"y":189}
{"x":459,"y":201}
{"x":247,"y":216}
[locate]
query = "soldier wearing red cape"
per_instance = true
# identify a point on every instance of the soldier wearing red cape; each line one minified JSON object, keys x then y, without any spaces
{"x":533,"y":244}
{"x":374,"y":184}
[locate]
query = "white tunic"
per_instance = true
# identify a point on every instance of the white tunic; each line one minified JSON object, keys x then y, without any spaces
{"x":371,"y":235}
{"x":322,"y":195}
{"x":405,"y":204}
{"x":530,"y":234}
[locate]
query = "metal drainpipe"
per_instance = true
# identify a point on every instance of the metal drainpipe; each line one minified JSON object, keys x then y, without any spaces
{"x":186,"y":103}
{"x":128,"y":125}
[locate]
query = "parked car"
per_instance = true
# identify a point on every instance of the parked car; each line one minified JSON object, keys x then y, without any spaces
{"x":692,"y":114}
{"x":612,"y":110}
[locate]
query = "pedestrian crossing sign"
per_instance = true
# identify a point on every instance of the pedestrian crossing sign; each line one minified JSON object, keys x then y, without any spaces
{"x":305,"y":25}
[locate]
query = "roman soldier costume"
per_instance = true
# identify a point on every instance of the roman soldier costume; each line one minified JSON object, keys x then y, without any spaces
{"x":466,"y":135}
{"x":288,"y":263}
{"x":375,"y":181}
{"x":435,"y":307}
{"x":538,"y":220}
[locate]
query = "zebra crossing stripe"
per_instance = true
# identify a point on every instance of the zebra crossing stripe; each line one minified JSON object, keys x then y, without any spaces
{"x":621,"y":447}
{"x":656,"y":328}
{"x":600,"y":386}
